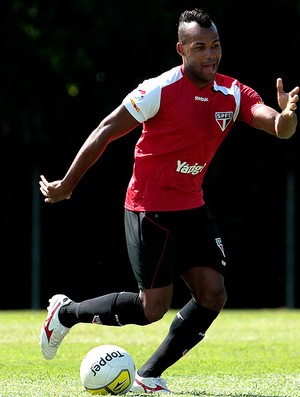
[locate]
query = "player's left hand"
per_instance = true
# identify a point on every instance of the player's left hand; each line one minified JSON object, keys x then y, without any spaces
{"x":287,"y":101}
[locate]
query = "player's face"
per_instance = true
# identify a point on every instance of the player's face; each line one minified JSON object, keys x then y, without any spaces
{"x":201,"y":53}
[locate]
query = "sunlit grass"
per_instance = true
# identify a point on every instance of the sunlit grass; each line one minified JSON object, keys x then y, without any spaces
{"x":246,"y":353}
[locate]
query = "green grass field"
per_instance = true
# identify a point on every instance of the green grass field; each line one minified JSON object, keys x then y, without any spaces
{"x":246,"y":353}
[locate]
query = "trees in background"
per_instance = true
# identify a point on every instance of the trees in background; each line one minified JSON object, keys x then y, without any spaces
{"x":66,"y":64}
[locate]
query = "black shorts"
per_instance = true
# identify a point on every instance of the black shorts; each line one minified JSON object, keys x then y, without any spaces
{"x":162,"y":245}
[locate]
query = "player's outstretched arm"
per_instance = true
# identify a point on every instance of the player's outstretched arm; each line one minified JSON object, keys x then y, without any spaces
{"x":117,"y":124}
{"x":283,"y":125}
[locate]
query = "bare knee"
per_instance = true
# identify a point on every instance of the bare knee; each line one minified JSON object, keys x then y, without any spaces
{"x":156,"y":302}
{"x":156,"y":313}
{"x":212,"y":299}
{"x":220,"y":298}
{"x":207,"y":287}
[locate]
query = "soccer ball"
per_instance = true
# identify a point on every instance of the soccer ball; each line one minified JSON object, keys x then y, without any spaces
{"x":107,"y":369}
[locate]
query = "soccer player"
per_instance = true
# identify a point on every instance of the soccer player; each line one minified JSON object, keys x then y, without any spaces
{"x":186,"y":114}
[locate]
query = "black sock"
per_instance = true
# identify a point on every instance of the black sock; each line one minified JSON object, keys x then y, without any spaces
{"x":186,"y":330}
{"x":116,"y":309}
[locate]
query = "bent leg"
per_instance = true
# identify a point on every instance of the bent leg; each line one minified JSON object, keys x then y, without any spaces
{"x":206,"y":286}
{"x":115,"y":309}
{"x":190,"y":324}
{"x":156,"y":302}
{"x":186,"y":330}
{"x":120,"y":308}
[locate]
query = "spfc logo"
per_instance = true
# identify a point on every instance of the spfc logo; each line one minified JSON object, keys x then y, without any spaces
{"x":223,"y":119}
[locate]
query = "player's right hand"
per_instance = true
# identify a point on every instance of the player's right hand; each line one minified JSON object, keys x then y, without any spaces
{"x":53,"y":191}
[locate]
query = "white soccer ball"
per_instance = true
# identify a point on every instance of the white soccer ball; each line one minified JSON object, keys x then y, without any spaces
{"x":107,"y":369}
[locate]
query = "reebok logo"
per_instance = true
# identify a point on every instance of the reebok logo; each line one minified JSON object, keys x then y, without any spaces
{"x":201,"y":98}
{"x":185,"y":168}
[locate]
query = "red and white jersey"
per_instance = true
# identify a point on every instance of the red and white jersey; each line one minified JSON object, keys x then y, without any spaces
{"x":183,"y":127}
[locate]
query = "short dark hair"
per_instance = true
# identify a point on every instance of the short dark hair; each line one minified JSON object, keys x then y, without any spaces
{"x":196,"y":15}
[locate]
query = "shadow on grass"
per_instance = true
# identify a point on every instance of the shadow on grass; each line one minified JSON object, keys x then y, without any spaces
{"x":204,"y":394}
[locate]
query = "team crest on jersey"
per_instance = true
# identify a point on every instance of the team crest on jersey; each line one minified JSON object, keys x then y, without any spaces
{"x":223,"y":119}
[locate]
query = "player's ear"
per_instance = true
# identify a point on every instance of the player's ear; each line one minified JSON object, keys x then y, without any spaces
{"x":180,"y":49}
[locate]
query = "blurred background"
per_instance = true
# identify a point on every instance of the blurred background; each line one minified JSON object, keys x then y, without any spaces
{"x":64,"y":66}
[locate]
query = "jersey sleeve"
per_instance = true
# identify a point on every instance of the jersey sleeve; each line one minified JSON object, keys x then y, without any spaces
{"x":144,"y":101}
{"x":250,"y":101}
